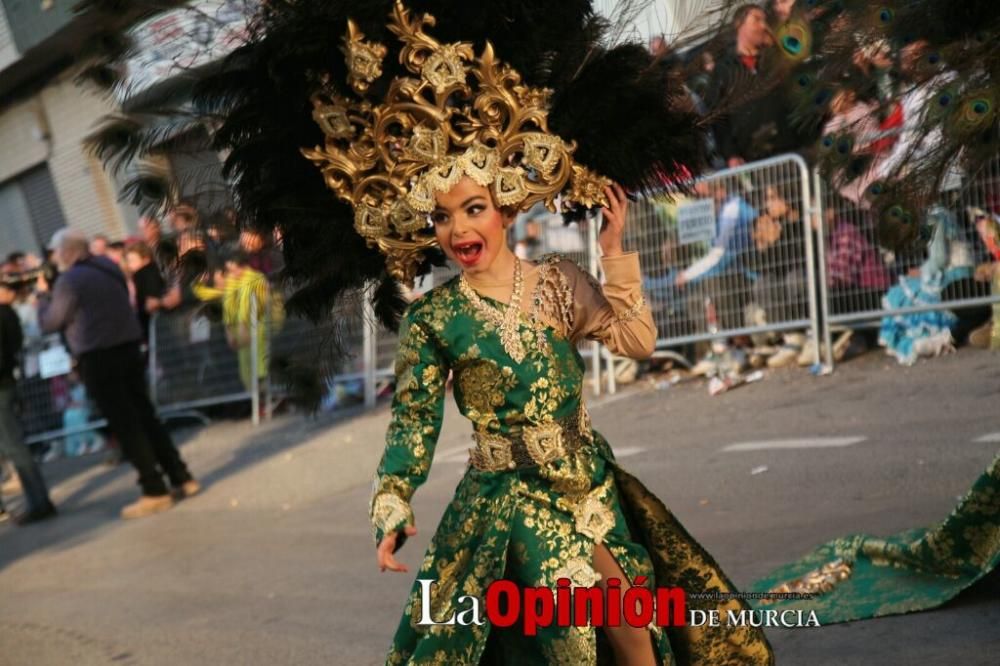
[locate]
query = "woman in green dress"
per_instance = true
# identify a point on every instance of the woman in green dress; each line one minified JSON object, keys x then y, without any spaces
{"x":542,"y":497}
{"x":436,"y":146}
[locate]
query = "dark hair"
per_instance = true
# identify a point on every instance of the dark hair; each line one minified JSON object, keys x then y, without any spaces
{"x":166,"y":253}
{"x":741,"y":14}
{"x":234,"y":253}
{"x":15,"y":256}
{"x":193,"y":265}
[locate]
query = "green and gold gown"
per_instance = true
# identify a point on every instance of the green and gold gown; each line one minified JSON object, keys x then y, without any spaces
{"x":860,"y":576}
{"x":542,"y":487}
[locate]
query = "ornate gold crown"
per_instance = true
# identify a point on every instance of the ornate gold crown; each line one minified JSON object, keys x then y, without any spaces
{"x":389,"y":160}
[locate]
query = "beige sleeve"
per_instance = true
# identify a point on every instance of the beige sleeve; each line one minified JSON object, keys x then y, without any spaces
{"x":616,"y":313}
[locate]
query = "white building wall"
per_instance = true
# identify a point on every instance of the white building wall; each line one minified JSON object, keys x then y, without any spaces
{"x":671,"y":18}
{"x":87,"y":193}
{"x":22,"y":141}
{"x":49,"y":128}
{"x":8,"y":50}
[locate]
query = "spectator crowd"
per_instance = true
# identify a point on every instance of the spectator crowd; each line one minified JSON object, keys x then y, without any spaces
{"x":194,"y":273}
{"x":752,"y":273}
{"x":749,"y":273}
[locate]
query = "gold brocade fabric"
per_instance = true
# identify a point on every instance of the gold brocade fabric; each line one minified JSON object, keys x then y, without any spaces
{"x":533,"y":524}
{"x":911,"y":571}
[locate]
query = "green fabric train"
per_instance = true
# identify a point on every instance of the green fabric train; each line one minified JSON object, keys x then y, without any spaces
{"x":859,"y":576}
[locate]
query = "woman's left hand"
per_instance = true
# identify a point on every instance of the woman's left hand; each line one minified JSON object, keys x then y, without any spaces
{"x":614,"y":221}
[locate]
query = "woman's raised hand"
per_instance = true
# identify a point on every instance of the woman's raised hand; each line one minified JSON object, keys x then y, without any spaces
{"x":614,"y":221}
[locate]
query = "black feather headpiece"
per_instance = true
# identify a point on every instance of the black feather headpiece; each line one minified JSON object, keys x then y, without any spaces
{"x":628,"y":117}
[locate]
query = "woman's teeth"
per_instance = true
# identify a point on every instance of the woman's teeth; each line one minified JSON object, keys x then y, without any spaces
{"x":468,"y":253}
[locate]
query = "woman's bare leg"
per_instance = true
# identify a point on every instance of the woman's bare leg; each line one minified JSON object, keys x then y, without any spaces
{"x":633,"y":646}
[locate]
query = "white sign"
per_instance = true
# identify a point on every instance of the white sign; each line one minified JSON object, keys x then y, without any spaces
{"x":182,"y":39}
{"x":199,"y":330}
{"x":695,"y":221}
{"x":54,"y":362}
{"x":559,"y":237}
{"x":422,"y":284}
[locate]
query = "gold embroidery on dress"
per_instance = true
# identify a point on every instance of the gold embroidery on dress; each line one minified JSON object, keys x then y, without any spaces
{"x":579,"y":572}
{"x":533,"y":445}
{"x":492,"y":453}
{"x":507,"y":322}
{"x":634,"y":311}
{"x":578,"y":647}
{"x":593,"y":519}
{"x":818,"y":581}
{"x":544,"y":442}
{"x":390,"y":512}
{"x":482,"y":387}
{"x":585,"y":427}
{"x":553,"y":296}
{"x":571,"y":475}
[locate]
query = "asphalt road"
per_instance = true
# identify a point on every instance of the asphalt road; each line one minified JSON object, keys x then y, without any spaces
{"x":274,"y":563}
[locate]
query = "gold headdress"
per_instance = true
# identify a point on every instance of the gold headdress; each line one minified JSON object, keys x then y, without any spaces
{"x":389,"y":160}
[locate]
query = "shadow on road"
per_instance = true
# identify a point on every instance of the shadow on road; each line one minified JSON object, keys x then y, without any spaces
{"x":80,"y":516}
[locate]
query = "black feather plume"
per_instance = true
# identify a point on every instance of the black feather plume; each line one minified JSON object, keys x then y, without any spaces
{"x":627,"y":112}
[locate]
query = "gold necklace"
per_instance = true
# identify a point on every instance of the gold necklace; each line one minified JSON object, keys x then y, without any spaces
{"x":507,"y":322}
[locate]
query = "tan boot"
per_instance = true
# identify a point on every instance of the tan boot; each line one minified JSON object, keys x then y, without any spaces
{"x":147,"y":505}
{"x":187,"y":489}
{"x":842,"y":343}
{"x":980,"y":337}
{"x":808,"y":353}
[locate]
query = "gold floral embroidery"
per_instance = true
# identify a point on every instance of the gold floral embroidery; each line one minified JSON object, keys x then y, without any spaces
{"x":820,"y":581}
{"x":579,"y":572}
{"x":593,"y":519}
{"x":482,"y":387}
{"x":492,"y":453}
{"x":544,"y":442}
{"x":984,"y":542}
{"x":553,"y":297}
{"x":633,"y":312}
{"x":576,"y":647}
{"x":389,"y":513}
{"x":570,"y":475}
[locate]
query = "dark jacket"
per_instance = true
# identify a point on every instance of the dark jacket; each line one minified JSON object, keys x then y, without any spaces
{"x":90,"y":304}
{"x":148,"y":283}
{"x":11,"y":340}
{"x":757,"y":110}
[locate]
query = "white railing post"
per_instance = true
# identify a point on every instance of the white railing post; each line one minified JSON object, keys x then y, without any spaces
{"x":595,"y":347}
{"x":370,"y":338}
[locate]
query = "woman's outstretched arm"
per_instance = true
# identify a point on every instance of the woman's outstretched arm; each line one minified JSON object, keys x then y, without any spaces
{"x":417,"y":413}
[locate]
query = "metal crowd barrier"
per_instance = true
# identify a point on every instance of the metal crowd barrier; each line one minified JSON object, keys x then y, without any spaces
{"x":53,"y":402}
{"x":855,"y":273}
{"x":191,"y":364}
{"x":733,"y":258}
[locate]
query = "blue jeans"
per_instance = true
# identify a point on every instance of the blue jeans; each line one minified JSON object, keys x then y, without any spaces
{"x":12,"y":447}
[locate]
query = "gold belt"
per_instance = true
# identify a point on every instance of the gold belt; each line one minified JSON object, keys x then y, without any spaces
{"x":531,"y":445}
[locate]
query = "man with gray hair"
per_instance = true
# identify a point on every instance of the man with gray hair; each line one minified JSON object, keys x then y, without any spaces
{"x":89,"y":303}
